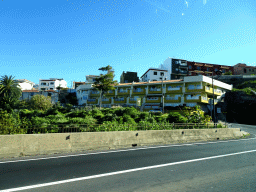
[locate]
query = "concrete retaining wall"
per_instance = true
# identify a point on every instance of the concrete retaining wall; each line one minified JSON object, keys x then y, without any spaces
{"x":20,"y":145}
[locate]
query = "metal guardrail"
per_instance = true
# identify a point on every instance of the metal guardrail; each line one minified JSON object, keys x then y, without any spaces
{"x":69,"y":128}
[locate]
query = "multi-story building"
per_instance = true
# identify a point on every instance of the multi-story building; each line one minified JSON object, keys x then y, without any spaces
{"x":191,"y":91}
{"x":154,"y":74}
{"x":76,"y":84}
{"x":242,"y":69}
{"x":51,"y":84}
{"x":196,"y":68}
{"x":129,"y":77}
{"x":28,"y":94}
{"x":177,"y":68}
{"x":25,"y":84}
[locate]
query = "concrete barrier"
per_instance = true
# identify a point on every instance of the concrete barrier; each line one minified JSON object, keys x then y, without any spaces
{"x":25,"y":144}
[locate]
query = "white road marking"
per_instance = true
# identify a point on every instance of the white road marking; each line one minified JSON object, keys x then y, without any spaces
{"x":116,"y":151}
{"x":125,"y":171}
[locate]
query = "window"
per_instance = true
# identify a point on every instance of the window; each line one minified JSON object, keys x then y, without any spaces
{"x":42,"y":89}
{"x":31,"y":94}
{"x":244,"y":70}
{"x":207,"y":69}
{"x":215,"y":69}
{"x":51,"y":88}
{"x":162,"y":74}
{"x":223,"y":70}
{"x":189,"y":67}
{"x":145,"y":75}
{"x":155,"y":73}
{"x":51,"y":83}
{"x":198,"y":68}
{"x":43,"y":83}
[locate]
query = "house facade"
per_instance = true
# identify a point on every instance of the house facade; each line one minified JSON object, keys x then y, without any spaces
{"x":25,"y":84}
{"x":129,"y":77}
{"x":190,"y":91}
{"x":51,"y":84}
{"x":206,"y":69}
{"x":154,"y":74}
{"x":28,"y":94}
{"x":243,"y":69}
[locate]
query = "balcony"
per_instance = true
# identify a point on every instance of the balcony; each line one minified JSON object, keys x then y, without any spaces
{"x":92,"y":101}
{"x":139,"y":92}
{"x":174,"y":90}
{"x":95,"y":93}
{"x":106,"y":101}
{"x":209,"y":90}
{"x":119,"y":100}
{"x":110,"y":93}
{"x":155,"y":90}
{"x":123,"y":92}
{"x":182,"y":72}
{"x":195,"y":89}
{"x":158,"y":100}
{"x":172,"y":99}
{"x":132,"y":100}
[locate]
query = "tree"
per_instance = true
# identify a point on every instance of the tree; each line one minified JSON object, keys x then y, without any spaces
{"x":59,"y":88}
{"x":228,"y":73}
{"x":40,"y":102}
{"x":10,"y":92}
{"x":104,"y":83}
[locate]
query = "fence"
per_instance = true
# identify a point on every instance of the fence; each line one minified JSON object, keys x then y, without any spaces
{"x":68,"y":128}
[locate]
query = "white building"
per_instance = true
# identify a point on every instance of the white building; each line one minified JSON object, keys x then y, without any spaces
{"x":154,"y":74}
{"x":25,"y":84}
{"x":82,"y":93}
{"x":51,"y":84}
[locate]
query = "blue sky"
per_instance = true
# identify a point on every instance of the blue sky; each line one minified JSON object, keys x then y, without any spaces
{"x":73,"y":38}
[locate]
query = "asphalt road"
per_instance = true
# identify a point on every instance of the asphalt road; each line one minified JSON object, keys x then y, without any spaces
{"x":205,"y":166}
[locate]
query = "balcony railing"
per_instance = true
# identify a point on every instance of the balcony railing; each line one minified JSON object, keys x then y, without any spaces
{"x":122,"y":91}
{"x":105,"y":99}
{"x":119,"y":99}
{"x":132,"y":99}
{"x":204,"y":98}
{"x":137,"y":91}
{"x":192,"y":98}
{"x":193,"y":88}
{"x":172,"y":98}
{"x":91,"y":100}
{"x":217,"y":91}
{"x":154,"y":89}
{"x":173,"y":88}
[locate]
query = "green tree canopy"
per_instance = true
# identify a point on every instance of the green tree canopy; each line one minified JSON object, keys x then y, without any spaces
{"x":104,"y":83}
{"x":40,"y":102}
{"x":10,"y":92}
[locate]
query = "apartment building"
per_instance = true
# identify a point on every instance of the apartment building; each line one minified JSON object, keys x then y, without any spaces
{"x":76,"y":84}
{"x":129,"y":77}
{"x":243,"y":69}
{"x":176,"y":68}
{"x":154,"y":74}
{"x":190,"y":91}
{"x":51,"y":84}
{"x":28,"y":94}
{"x":206,"y":69}
{"x":25,"y":84}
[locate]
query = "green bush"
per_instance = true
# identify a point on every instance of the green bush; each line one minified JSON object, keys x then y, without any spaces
{"x":175,"y":117}
{"x":128,"y":119}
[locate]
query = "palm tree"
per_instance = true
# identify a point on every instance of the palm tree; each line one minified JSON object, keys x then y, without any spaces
{"x":10,"y":91}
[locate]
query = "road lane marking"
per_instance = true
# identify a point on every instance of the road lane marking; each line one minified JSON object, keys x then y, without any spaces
{"x":116,"y":151}
{"x":121,"y":172}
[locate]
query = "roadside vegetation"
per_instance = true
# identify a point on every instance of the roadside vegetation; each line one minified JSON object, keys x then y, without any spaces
{"x":39,"y":115}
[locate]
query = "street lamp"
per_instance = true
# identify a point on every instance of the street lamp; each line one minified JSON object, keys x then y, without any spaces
{"x":218,"y":72}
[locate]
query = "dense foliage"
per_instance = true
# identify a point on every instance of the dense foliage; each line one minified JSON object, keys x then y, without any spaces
{"x":60,"y":119}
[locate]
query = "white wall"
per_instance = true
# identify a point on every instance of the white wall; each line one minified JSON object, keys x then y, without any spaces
{"x":167,"y":65}
{"x":26,"y":85}
{"x":52,"y":85}
{"x":150,"y":75}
